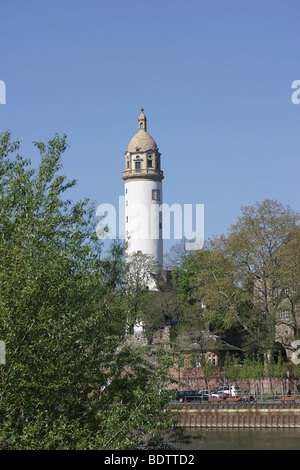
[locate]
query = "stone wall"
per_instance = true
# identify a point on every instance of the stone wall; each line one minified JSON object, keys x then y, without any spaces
{"x":280,"y":415}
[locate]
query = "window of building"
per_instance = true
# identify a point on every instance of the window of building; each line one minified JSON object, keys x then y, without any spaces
{"x":149,"y":163}
{"x":128,"y":164}
{"x":137,"y":165}
{"x":155,"y":195}
{"x":127,"y":218}
{"x":284,"y":315}
{"x":212,"y":358}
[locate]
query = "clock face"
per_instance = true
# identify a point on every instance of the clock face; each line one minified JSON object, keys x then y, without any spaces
{"x":155,"y":195}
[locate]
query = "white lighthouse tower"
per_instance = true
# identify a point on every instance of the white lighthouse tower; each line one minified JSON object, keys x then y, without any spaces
{"x":143,"y":194}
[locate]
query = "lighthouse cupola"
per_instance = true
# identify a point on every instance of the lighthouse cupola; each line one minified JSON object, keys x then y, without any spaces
{"x":142,"y":120}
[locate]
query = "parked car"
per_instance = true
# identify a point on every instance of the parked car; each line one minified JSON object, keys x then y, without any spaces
{"x":226,"y":391}
{"x":205,"y":394}
{"x":188,"y":395}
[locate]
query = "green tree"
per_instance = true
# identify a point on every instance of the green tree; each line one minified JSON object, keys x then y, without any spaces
{"x":253,"y":245}
{"x":211,"y":297}
{"x":231,"y":369}
{"x":253,"y":369}
{"x":288,"y":291}
{"x":208,"y":370}
{"x":176,"y":255}
{"x":276,"y":369}
{"x":70,"y":381}
{"x":296,"y":373}
{"x":141,"y":274}
{"x":183,"y":279}
{"x":162,"y":308}
{"x":246,"y":278}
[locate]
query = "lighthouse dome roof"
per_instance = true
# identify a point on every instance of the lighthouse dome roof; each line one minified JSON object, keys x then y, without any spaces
{"x":141,"y":142}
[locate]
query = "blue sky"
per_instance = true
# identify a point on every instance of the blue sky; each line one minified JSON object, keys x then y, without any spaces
{"x":213,"y":76}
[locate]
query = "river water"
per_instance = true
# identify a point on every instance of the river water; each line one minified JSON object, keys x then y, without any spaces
{"x":245,"y":439}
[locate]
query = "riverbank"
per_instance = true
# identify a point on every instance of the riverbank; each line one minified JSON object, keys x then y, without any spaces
{"x":243,"y":416}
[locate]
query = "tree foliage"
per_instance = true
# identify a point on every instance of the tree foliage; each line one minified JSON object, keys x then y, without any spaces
{"x":70,"y":381}
{"x":248,"y":277}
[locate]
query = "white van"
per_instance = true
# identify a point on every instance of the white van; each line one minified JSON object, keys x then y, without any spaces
{"x":233,"y":392}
